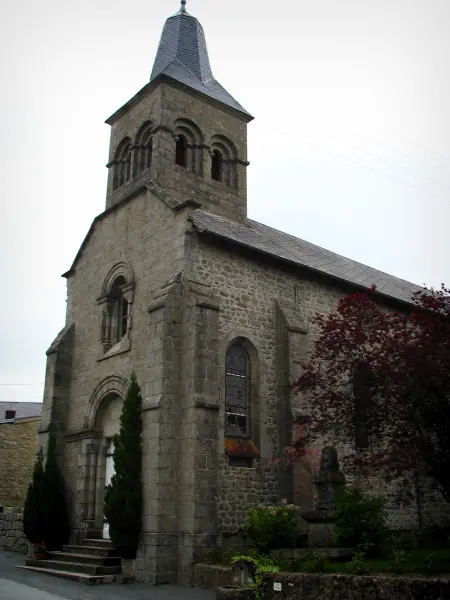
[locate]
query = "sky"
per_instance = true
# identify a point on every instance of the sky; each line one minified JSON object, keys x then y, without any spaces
{"x":349,"y":149}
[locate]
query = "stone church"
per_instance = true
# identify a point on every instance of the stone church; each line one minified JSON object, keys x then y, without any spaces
{"x":210,"y":308}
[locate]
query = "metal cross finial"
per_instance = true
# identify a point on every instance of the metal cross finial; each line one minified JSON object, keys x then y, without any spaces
{"x":183,"y":6}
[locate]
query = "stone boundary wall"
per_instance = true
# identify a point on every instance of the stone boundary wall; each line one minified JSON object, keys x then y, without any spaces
{"x":12,"y":538}
{"x":319,"y":586}
{"x":18,"y":447}
{"x":301,"y":586}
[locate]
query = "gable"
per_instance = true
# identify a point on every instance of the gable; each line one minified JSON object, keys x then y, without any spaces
{"x":152,"y":194}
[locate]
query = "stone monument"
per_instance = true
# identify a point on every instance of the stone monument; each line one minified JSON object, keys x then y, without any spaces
{"x":327,"y":481}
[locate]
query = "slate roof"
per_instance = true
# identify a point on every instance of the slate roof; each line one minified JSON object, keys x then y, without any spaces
{"x":183,"y":56}
{"x":286,"y":247}
{"x":23,"y":409}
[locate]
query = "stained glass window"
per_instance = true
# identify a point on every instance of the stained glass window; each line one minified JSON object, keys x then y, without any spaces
{"x":237,"y":389}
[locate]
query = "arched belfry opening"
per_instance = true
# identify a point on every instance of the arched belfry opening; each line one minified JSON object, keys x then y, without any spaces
{"x":143,"y":149}
{"x":216,"y":165}
{"x":181,"y":151}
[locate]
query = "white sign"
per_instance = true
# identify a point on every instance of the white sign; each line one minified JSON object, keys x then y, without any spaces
{"x":277,"y":586}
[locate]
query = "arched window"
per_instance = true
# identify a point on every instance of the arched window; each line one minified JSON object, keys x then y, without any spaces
{"x":181,"y":151}
{"x":143,"y":149}
{"x":223,"y":160}
{"x":362,"y":378}
{"x":116,"y":301}
{"x":119,"y":309}
{"x":188,"y":145}
{"x":122,"y":164}
{"x":216,"y":165}
{"x":237,"y":392}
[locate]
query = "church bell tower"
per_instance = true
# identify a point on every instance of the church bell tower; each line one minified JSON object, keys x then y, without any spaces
{"x":182,"y":132}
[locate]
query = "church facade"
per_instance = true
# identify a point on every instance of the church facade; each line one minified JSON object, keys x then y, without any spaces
{"x":208,"y":307}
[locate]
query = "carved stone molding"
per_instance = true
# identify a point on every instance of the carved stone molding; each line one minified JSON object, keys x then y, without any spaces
{"x":114,"y":384}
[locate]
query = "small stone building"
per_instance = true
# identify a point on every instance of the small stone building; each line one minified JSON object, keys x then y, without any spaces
{"x":209,"y":307}
{"x":19,"y":423}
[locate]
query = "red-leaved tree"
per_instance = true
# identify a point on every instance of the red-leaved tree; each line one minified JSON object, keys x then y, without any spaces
{"x":380,"y":380}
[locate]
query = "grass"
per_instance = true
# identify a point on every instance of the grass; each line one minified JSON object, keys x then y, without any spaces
{"x":398,"y":562}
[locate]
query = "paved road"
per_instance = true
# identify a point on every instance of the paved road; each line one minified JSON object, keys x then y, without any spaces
{"x":18,"y":584}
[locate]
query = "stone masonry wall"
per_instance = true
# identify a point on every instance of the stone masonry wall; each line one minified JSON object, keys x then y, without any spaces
{"x":296,"y":586}
{"x":18,"y":447}
{"x":12,"y":538}
{"x":248,"y":292}
{"x":240,"y":488}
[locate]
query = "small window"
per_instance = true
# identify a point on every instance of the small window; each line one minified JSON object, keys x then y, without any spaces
{"x":181,"y":151}
{"x":216,"y":165}
{"x":237,"y":392}
{"x":10,"y":414}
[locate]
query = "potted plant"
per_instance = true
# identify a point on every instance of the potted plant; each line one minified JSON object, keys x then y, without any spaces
{"x":39,"y":550}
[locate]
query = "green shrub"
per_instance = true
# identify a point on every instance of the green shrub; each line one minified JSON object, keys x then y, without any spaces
{"x":123,"y":497}
{"x":357,"y":565}
{"x":264,"y":566}
{"x":33,"y":515}
{"x":361,"y":521}
{"x":288,"y":564}
{"x":316,"y":563}
{"x":398,"y":563}
{"x":54,"y":504}
{"x":272,"y":527}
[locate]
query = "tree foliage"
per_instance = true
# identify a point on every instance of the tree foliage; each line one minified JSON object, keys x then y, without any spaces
{"x":33,"y":515}
{"x":123,"y":497}
{"x":54,"y":505}
{"x":385,"y":373}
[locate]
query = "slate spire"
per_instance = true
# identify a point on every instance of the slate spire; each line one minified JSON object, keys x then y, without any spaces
{"x":183,"y":56}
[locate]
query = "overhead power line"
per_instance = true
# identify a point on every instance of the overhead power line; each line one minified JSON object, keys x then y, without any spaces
{"x":21,"y":384}
{"x":356,"y":162}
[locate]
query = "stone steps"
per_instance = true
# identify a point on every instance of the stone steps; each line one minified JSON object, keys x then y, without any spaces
{"x":93,"y":550}
{"x":106,"y":561}
{"x":82,"y":577}
{"x":99,"y":542}
{"x":75,"y":567}
{"x":94,"y":562}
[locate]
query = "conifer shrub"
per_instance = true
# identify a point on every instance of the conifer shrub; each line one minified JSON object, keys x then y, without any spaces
{"x":33,"y":515}
{"x":54,"y":505}
{"x":123,"y":497}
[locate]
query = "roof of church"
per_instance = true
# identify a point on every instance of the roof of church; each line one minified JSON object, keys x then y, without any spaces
{"x":183,"y":56}
{"x":299,"y":252}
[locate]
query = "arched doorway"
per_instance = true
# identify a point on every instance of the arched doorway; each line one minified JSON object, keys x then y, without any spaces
{"x":109,"y":472}
{"x":108,"y":422}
